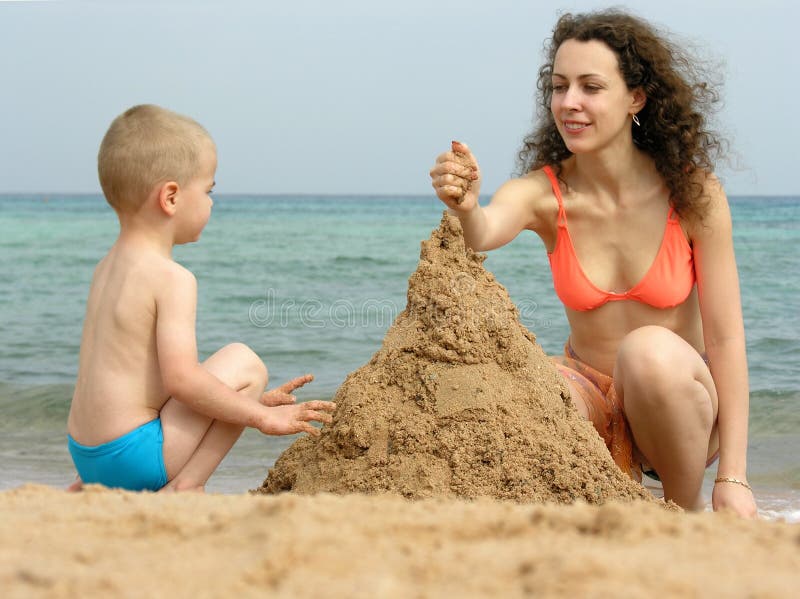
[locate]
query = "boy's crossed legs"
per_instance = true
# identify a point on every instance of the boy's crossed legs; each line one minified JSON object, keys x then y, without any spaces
{"x":194,"y":444}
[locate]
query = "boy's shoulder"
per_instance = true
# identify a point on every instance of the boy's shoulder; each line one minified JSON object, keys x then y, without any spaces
{"x":158,"y":273}
{"x":173,"y":274}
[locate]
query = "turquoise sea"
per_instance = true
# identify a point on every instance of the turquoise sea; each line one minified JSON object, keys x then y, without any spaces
{"x":312,"y":284}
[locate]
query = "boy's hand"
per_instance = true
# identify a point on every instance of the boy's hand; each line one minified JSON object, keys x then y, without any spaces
{"x":280,"y":396}
{"x":290,"y":419}
{"x":456,"y":178}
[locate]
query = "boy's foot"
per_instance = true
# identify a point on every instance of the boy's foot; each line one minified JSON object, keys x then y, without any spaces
{"x":76,"y":486}
{"x":176,"y":487}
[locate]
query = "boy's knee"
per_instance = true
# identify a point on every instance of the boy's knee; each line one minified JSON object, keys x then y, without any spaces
{"x":260,"y":374}
{"x":252,"y":368}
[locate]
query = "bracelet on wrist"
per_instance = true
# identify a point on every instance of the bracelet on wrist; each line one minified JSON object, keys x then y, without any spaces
{"x":735,"y":481}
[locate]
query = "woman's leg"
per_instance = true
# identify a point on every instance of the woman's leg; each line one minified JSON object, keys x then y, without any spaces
{"x":670,"y":403}
{"x":195,"y":444}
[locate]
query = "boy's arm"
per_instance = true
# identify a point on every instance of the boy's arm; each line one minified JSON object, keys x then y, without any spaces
{"x":183,"y":376}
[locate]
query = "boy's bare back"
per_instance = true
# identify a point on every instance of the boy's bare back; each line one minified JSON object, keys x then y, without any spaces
{"x":119,"y":382}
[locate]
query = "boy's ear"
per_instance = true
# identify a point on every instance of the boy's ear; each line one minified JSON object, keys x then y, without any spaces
{"x":168,"y":197}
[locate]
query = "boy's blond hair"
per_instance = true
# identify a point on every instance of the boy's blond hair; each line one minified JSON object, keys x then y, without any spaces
{"x":144,"y":146}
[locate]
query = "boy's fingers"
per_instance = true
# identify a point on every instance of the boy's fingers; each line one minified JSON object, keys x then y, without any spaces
{"x":311,"y":430}
{"x":318,"y":416}
{"x":296,"y":382}
{"x":277,"y":398}
{"x":327,"y":406}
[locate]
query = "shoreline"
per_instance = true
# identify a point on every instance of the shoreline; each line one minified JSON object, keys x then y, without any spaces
{"x":99,"y":542}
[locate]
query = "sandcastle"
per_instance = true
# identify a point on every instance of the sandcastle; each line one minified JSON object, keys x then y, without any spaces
{"x":460,"y":401}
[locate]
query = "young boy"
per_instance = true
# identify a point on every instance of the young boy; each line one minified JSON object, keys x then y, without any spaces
{"x":145,"y":413}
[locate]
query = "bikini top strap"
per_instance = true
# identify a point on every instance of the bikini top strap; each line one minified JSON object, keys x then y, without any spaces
{"x":562,"y":215}
{"x":672,"y":215}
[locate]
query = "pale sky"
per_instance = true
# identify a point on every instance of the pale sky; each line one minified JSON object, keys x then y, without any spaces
{"x":351,"y":96}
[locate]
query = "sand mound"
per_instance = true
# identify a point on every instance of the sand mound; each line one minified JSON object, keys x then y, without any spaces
{"x":459,"y":401}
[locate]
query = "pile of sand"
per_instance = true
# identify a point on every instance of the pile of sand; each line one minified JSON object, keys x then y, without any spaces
{"x":459,"y":401}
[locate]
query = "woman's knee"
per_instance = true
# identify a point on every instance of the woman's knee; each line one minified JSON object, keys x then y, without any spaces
{"x":646,"y":356}
{"x":657,"y":370}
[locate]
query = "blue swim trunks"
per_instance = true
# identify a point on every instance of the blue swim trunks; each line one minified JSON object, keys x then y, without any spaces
{"x":133,"y":461}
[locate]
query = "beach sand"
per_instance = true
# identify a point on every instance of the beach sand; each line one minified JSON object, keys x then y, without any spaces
{"x":103,"y":543}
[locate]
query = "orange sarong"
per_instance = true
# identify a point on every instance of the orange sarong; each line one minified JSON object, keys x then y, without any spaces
{"x":605,"y":408}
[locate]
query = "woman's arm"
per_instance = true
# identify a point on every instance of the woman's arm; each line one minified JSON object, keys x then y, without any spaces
{"x":513,"y":208}
{"x":723,"y":332}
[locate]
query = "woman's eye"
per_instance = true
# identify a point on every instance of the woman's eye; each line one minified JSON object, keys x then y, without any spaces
{"x":559,"y":88}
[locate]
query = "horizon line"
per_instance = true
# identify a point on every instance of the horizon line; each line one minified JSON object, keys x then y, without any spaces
{"x":304,"y":194}
{"x":270,"y":194}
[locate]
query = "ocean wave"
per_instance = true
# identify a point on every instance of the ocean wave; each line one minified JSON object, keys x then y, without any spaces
{"x":779,"y":506}
{"x":34,"y":406}
{"x":358,"y":260}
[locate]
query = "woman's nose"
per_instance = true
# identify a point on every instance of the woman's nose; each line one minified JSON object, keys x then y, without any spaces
{"x":571,"y":98}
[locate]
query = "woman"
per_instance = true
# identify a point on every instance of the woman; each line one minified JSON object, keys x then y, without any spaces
{"x":619,"y":185}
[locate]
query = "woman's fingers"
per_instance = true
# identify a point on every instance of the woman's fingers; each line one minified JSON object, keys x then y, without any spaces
{"x":463,"y":155}
{"x":450,"y":181}
{"x":453,"y":192}
{"x":456,"y":178}
{"x":451,"y":166}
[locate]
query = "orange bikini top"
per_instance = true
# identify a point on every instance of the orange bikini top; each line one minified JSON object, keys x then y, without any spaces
{"x":668,"y":282}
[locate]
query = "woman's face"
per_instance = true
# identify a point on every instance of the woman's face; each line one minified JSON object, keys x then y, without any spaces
{"x":591,"y":104}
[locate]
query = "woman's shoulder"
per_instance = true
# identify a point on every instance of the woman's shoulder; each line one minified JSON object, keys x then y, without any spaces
{"x":531,"y":193}
{"x":714,"y":211}
{"x":534,"y":188}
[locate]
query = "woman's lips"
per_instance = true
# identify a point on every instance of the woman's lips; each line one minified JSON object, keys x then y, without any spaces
{"x":575,"y":126}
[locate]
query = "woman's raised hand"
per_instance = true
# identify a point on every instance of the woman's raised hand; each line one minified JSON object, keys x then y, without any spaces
{"x":456,"y":178}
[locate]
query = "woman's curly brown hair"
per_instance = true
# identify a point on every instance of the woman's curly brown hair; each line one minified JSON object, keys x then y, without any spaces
{"x":674,"y":121}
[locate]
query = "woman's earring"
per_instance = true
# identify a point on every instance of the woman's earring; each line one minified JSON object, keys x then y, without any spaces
{"x":636,"y":120}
